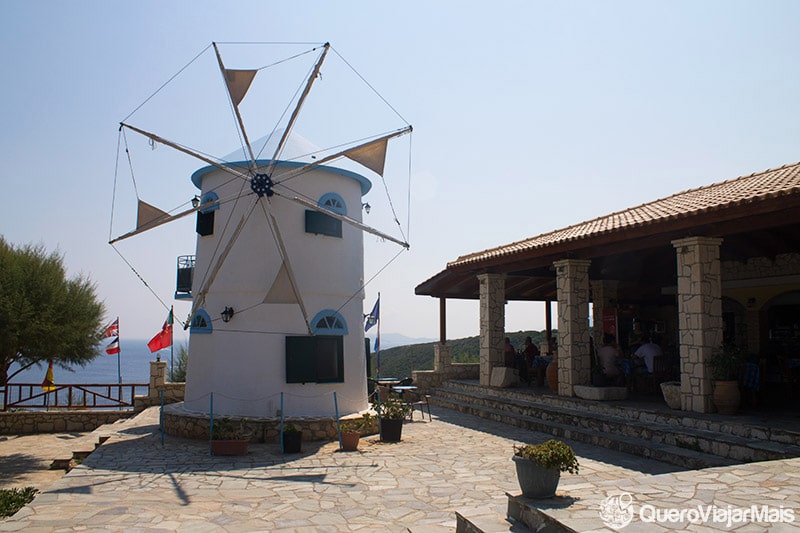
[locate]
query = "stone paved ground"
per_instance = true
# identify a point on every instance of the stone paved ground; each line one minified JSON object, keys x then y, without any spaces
{"x":454,"y":463}
{"x":25,"y":459}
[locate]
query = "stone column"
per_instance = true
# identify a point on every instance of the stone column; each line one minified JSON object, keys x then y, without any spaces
{"x":492,"y":323}
{"x":441,"y":357}
{"x":574,"y":360}
{"x":158,"y":377}
{"x":699,"y":317}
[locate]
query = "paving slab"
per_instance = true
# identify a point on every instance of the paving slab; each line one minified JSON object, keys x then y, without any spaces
{"x":454,"y":463}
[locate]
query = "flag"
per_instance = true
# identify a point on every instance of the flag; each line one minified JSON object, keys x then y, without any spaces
{"x":113,"y":348}
{"x":49,"y":382}
{"x":374,"y":315}
{"x":163,"y":338}
{"x":112,"y":330}
{"x":377,"y":346}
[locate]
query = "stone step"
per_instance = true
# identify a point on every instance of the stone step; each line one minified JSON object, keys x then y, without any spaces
{"x":651,"y":426}
{"x":488,"y":523}
{"x":738,"y":425}
{"x":643,"y":448}
{"x":524,"y":511}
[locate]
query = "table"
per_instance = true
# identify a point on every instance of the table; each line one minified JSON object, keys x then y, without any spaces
{"x":400,"y":389}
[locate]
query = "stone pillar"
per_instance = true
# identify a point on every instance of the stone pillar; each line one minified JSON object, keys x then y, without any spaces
{"x":492,"y":323}
{"x":699,"y":317}
{"x":158,"y":377}
{"x":441,"y":357}
{"x":604,"y":295}
{"x":574,"y":359}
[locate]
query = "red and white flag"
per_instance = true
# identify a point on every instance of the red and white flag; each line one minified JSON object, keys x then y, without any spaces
{"x":113,"y":348}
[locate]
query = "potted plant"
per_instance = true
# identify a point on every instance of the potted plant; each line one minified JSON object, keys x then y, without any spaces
{"x":539,"y":467}
{"x":726,"y":366}
{"x":229,"y":437}
{"x":292,"y":438}
{"x":391,"y":413}
{"x":351,"y":430}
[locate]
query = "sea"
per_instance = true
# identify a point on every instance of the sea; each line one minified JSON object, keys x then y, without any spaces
{"x":133,"y":366}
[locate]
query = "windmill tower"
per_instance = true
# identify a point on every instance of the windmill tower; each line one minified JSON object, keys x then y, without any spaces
{"x":265,"y":347}
{"x":277,"y":278}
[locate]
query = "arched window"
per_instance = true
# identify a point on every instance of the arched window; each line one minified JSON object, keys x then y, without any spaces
{"x":329,"y":322}
{"x":321,"y":223}
{"x":333,"y":202}
{"x":201,"y":322}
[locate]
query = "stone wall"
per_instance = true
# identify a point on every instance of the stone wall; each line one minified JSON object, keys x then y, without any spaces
{"x":427,"y":380}
{"x":761,"y":267}
{"x":173,"y":393}
{"x":27,"y":422}
{"x":181,"y":423}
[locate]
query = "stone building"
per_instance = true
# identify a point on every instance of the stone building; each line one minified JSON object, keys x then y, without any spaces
{"x":707,"y":265}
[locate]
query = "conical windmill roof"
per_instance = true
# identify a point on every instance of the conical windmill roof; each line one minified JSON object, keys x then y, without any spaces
{"x":296,"y":152}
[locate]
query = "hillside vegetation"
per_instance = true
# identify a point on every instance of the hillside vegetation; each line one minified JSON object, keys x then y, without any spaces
{"x":400,"y":361}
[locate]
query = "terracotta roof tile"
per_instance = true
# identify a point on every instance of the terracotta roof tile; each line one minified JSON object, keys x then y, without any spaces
{"x":767,"y":184}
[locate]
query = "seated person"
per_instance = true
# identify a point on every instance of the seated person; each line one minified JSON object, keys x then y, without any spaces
{"x":530,"y":351}
{"x":509,"y":354}
{"x":608,"y":356}
{"x":646,"y":353}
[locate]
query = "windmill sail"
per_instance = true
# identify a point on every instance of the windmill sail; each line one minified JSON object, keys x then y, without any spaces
{"x":371,"y":155}
{"x":238,"y":82}
{"x":149,"y":216}
{"x":281,"y":291}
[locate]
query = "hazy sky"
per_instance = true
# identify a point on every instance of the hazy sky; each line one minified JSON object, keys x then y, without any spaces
{"x":528,"y":116}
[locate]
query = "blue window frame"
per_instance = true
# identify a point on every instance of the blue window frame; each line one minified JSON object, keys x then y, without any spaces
{"x":333,"y":202}
{"x":201,"y":322}
{"x":329,"y":322}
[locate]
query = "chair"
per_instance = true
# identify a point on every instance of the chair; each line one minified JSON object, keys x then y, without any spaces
{"x":662,"y":371}
{"x":422,"y":404}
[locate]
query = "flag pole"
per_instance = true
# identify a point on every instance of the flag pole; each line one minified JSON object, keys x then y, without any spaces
{"x":171,"y":347}
{"x":378,"y":370}
{"x":119,"y":368}
{"x":119,"y":355}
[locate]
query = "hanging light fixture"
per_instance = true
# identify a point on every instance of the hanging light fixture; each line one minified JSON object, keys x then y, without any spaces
{"x":195,"y":201}
{"x":227,"y":314}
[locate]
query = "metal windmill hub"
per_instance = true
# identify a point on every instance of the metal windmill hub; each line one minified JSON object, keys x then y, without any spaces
{"x":262,"y":184}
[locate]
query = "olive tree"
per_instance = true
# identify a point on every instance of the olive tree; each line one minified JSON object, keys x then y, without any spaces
{"x":43,"y":314}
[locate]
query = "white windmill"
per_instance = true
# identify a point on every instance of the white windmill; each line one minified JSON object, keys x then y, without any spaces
{"x":278,"y":274}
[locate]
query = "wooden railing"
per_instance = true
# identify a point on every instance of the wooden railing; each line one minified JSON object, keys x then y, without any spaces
{"x":72,"y":396}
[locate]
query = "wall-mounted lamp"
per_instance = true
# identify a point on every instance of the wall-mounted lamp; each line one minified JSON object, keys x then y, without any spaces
{"x":227,"y":314}
{"x":195,"y":201}
{"x":366,"y":207}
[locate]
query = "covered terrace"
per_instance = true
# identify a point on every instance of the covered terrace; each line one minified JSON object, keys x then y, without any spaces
{"x":707,"y":265}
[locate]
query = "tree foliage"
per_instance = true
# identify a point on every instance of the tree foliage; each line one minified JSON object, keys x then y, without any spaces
{"x":400,"y":361}
{"x":178,"y":373}
{"x":43,"y":314}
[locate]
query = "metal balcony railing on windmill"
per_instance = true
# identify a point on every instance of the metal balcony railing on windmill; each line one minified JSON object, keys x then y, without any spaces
{"x":183,"y":286}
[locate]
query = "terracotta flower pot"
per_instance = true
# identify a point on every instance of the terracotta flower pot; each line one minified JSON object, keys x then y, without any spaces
{"x":552,"y":375}
{"x":229,"y":447}
{"x":350,"y":441}
{"x":727,"y":397}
